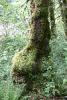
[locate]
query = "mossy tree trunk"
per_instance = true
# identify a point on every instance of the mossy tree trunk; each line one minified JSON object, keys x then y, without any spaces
{"x":63,"y":5}
{"x":28,"y":60}
{"x":40,"y":30}
{"x":52,"y":17}
{"x":65,"y":15}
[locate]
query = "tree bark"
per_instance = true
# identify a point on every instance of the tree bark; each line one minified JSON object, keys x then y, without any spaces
{"x":28,"y":60}
{"x":40,"y":26}
{"x":52,"y":17}
{"x":65,"y":15}
{"x":63,"y":5}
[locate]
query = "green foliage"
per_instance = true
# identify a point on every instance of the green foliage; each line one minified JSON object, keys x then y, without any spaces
{"x":8,"y":46}
{"x":14,"y":13}
{"x":53,"y":78}
{"x":54,"y":70}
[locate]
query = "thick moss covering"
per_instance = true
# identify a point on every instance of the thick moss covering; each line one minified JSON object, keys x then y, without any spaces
{"x":22,"y":61}
{"x":28,"y":60}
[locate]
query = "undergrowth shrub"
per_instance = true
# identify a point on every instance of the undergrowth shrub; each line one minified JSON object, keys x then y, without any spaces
{"x":8,"y":46}
{"x":52,"y":81}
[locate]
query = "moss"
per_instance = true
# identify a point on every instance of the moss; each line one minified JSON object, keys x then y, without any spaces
{"x":22,"y":63}
{"x":38,"y":2}
{"x":24,"y":59}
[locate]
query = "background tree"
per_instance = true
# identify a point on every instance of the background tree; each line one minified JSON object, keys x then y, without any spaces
{"x":65,"y":15}
{"x":52,"y":16}
{"x":63,"y":5}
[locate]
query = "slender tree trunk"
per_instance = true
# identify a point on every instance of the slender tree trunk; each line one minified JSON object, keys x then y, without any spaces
{"x":52,"y":17}
{"x":63,"y":5}
{"x":65,"y":15}
{"x":28,"y":60}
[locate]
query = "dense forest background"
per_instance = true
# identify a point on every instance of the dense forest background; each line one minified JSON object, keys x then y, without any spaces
{"x":15,"y":27}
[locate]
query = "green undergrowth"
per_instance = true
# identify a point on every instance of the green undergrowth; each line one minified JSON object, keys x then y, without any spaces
{"x":9,"y":45}
{"x":52,"y":81}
